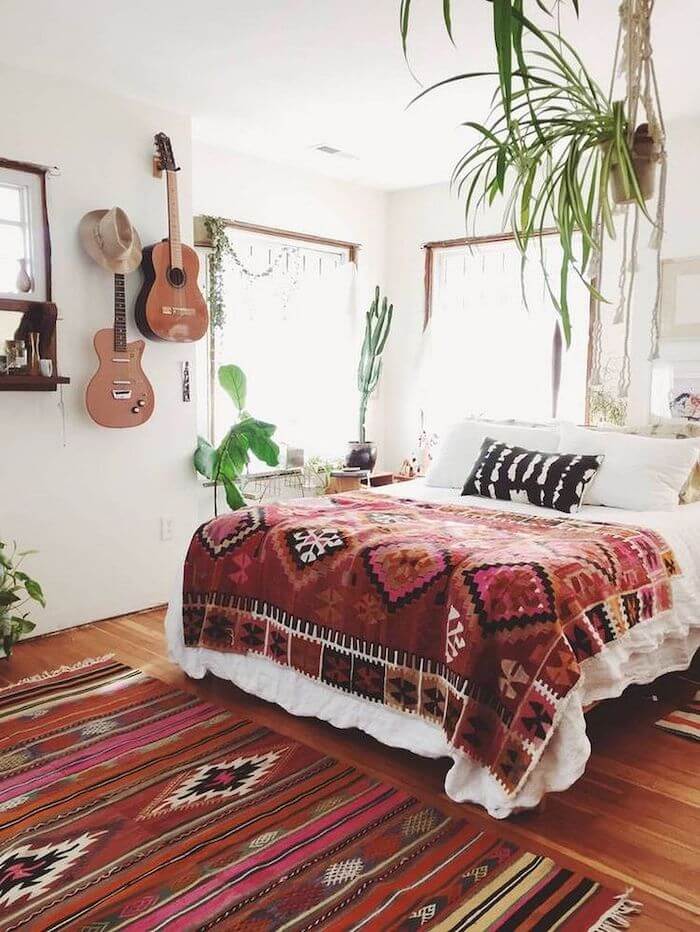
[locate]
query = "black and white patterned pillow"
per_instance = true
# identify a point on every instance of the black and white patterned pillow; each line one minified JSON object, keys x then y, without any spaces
{"x":513,"y":474}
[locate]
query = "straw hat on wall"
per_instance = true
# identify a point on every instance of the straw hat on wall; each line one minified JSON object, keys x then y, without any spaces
{"x":109,"y":238}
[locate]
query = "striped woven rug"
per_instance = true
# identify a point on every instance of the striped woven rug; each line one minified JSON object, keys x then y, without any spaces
{"x":684,"y":721}
{"x":127,"y":804}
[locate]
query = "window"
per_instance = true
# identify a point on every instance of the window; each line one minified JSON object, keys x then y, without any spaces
{"x":290,"y":325}
{"x":485,"y":354}
{"x":23,"y":233}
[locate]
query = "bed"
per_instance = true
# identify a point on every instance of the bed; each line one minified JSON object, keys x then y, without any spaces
{"x":304,"y":604}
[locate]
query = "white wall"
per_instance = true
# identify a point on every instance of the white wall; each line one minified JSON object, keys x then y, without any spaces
{"x":415,"y":217}
{"x":91,"y":504}
{"x":241,"y":187}
{"x":420,"y":215}
{"x":91,"y":500}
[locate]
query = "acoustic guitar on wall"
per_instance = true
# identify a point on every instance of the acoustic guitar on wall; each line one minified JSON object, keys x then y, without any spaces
{"x":170,"y":305}
{"x":119,"y":394}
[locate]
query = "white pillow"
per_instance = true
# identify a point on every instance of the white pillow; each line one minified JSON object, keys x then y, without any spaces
{"x":460,"y":447}
{"x":638,"y":473}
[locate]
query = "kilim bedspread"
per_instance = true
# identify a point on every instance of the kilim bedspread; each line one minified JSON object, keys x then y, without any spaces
{"x":129,"y":805}
{"x":475,"y":620}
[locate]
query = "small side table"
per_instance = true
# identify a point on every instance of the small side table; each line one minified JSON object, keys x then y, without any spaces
{"x":342,"y":481}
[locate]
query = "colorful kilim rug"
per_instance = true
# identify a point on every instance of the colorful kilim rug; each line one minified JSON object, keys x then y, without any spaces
{"x":685,"y":721}
{"x":128,"y":804}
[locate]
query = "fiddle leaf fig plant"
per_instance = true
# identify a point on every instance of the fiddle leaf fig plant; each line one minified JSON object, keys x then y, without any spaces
{"x":17,"y":590}
{"x":225,"y":464}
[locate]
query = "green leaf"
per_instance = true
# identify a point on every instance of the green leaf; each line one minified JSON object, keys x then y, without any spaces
{"x":8,"y":598}
{"x":233,"y":381}
{"x":34,"y":591}
{"x":404,"y":19}
{"x":563,"y":302}
{"x":234,"y":499}
{"x":260,"y":442}
{"x":456,"y":77}
{"x":447,"y":16}
{"x":233,"y":452}
{"x":205,"y":458}
{"x":503,"y":37}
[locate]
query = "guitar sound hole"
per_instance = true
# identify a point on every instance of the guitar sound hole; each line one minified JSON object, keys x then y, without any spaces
{"x":176,"y":277}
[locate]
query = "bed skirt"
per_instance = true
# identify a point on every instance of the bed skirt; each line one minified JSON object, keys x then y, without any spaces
{"x":640,"y":657}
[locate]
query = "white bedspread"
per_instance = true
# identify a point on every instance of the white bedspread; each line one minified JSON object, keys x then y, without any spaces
{"x":648,"y":650}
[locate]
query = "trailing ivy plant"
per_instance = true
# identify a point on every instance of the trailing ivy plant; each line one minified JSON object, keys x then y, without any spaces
{"x":225,"y":464}
{"x":550,"y":152}
{"x":508,"y":23}
{"x":17,"y":590}
{"x":216,"y":232}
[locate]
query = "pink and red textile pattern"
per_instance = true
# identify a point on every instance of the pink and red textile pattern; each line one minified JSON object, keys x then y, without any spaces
{"x":127,"y":804}
{"x":475,"y":620}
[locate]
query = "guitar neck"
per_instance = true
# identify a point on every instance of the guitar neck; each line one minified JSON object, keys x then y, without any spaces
{"x":174,"y":221}
{"x":119,"y":312}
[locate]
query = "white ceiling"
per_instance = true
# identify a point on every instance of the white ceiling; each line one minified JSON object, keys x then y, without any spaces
{"x":276,"y":77}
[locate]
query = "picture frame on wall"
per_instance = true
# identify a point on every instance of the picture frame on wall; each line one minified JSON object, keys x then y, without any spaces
{"x":675,"y":390}
{"x":680,"y":303}
{"x":684,"y":396}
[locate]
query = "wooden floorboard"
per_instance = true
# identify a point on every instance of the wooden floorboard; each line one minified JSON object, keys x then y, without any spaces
{"x":632,"y":820}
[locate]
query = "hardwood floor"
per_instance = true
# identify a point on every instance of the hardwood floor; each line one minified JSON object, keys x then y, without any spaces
{"x":632,"y":820}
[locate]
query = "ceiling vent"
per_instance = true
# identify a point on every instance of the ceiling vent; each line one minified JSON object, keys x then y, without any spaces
{"x":332,"y":151}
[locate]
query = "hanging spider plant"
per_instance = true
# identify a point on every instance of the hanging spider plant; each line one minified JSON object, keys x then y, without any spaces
{"x":508,"y":23}
{"x":551,"y":152}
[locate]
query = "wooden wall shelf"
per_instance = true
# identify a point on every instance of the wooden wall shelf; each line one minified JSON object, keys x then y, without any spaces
{"x":30,"y":317}
{"x":31,"y":383}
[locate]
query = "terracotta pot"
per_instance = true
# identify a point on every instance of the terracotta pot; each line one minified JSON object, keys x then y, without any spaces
{"x":361,"y":455}
{"x":644,"y":159}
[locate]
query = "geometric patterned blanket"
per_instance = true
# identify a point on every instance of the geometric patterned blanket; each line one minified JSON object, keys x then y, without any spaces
{"x":474,"y":620}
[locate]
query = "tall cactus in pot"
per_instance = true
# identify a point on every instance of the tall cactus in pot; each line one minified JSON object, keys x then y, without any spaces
{"x":377,"y":327}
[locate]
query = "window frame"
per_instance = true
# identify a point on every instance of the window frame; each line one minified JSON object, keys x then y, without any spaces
{"x":557,"y":339}
{"x":41,"y":231}
{"x":201,"y":241}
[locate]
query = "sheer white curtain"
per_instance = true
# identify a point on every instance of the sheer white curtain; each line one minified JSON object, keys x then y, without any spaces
{"x":485,"y":354}
{"x":290,"y":325}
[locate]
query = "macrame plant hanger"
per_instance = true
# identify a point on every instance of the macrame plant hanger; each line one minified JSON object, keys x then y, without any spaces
{"x":634,"y":62}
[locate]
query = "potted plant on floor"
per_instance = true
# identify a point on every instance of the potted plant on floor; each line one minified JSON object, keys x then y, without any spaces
{"x":361,"y":453}
{"x":226,"y":463}
{"x":17,"y":589}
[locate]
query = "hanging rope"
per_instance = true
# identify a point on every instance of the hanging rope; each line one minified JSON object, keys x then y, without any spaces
{"x":626,"y":370}
{"x":622,"y":278}
{"x":634,"y":62}
{"x":643,"y":87}
{"x":595,"y":377}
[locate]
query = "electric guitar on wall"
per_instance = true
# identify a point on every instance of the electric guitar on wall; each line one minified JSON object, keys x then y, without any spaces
{"x":119,"y":394}
{"x":170,"y":305}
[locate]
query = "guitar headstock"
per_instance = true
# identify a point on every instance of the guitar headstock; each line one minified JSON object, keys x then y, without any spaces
{"x":165,"y":153}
